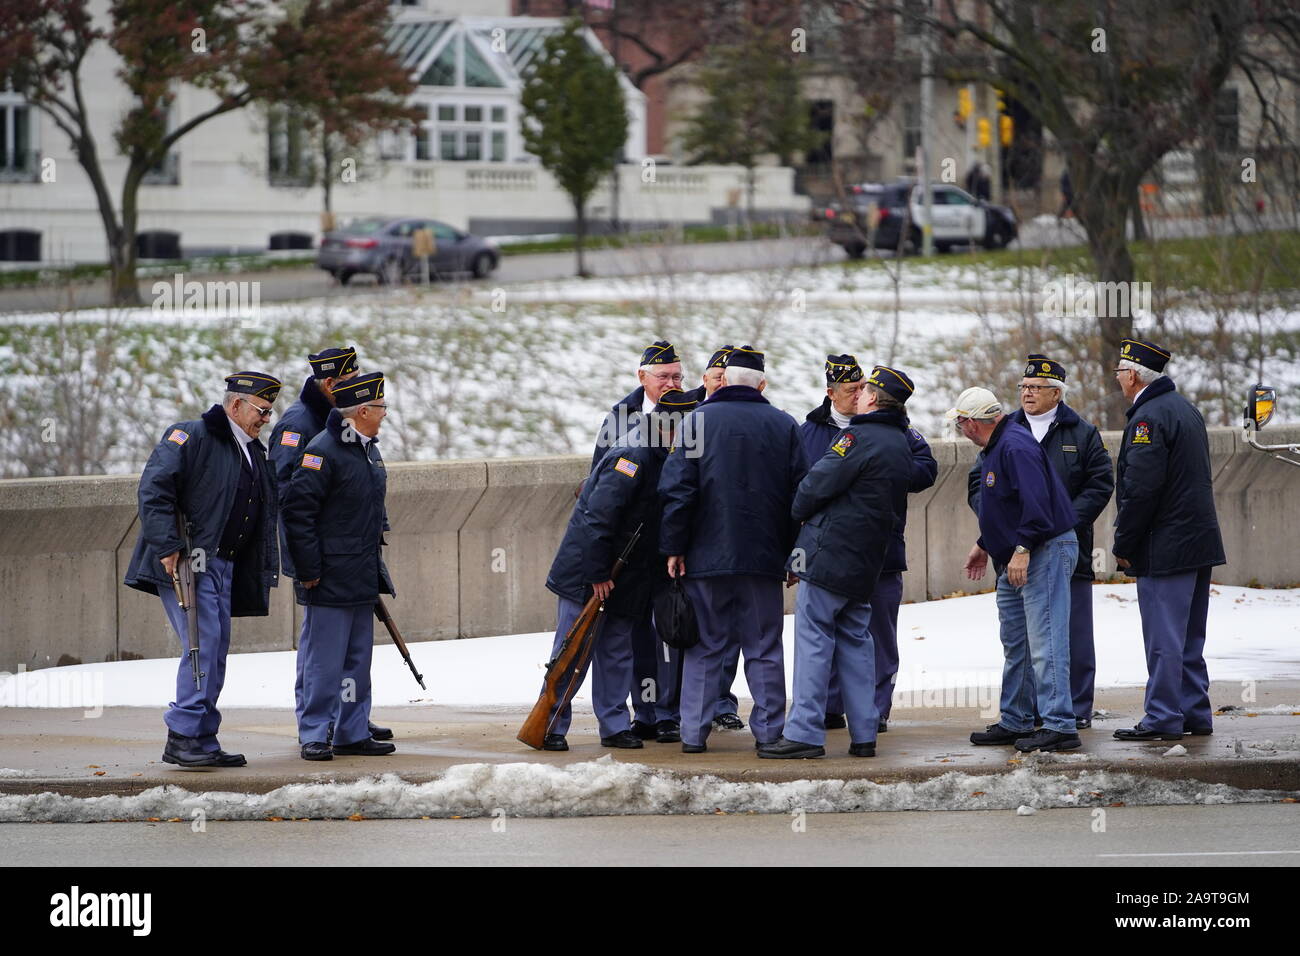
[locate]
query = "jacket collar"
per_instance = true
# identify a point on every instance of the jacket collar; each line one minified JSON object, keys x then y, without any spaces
{"x":218,"y":423}
{"x":334,"y":425}
{"x":314,"y":399}
{"x":821,"y":415}
{"x":738,"y":393}
{"x":881,"y":416}
{"x":997,"y":433}
{"x":1159,"y":387}
{"x":633,"y":400}
{"x":1065,"y":416}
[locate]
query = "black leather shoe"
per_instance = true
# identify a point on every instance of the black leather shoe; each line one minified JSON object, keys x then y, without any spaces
{"x":380,"y":733}
{"x":644,"y":731}
{"x":782,"y":749}
{"x":884,"y":725}
{"x":1198,"y":731}
{"x":1082,"y":723}
{"x":623,"y":740}
{"x":1047,"y":740}
{"x":1142,"y":733}
{"x":836,"y":722}
{"x":862,"y":750}
{"x":317,"y":750}
{"x":694,"y":748}
{"x":554,"y":742}
{"x":329,"y":733}
{"x":760,"y":744}
{"x":363,"y":748}
{"x":229,"y":760}
{"x":185,"y":752}
{"x":728,"y":722}
{"x":996,"y":734}
{"x":668,"y":732}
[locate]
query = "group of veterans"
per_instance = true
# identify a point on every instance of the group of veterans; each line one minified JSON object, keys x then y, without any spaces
{"x":314,"y":504}
{"x":732,"y":496}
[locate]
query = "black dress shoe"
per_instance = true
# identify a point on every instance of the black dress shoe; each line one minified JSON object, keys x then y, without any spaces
{"x":995,"y":734}
{"x":782,"y":749}
{"x":229,"y":760}
{"x":185,"y":752}
{"x":1082,"y":723}
{"x":317,"y":750}
{"x":643,"y":730}
{"x":363,"y":748}
{"x":836,"y":722}
{"x":884,"y":725}
{"x":554,"y":742}
{"x":667,"y":732}
{"x":380,"y":733}
{"x":862,"y":750}
{"x":728,"y":722}
{"x":694,"y":748}
{"x":1143,"y":733}
{"x":1048,"y":740}
{"x":1198,"y":731}
{"x":623,"y":740}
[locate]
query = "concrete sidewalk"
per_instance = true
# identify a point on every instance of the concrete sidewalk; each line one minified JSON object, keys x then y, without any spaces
{"x":118,"y":753}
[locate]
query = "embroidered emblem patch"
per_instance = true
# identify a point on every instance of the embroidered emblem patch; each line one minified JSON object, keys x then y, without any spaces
{"x":1073,"y":448}
{"x":1142,"y":434}
{"x":842,"y":444}
{"x":178,"y":436}
{"x":312,"y":461}
{"x":990,"y":479}
{"x":291,"y":439}
{"x":628,"y":468}
{"x":915,"y":434}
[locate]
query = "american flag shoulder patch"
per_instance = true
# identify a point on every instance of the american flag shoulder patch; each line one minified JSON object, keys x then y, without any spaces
{"x":291,"y":439}
{"x":312,"y":461}
{"x":626,"y":467}
{"x":178,"y":436}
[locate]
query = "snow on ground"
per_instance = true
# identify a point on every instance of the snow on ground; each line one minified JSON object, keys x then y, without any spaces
{"x":606,"y":787}
{"x":950,"y":644}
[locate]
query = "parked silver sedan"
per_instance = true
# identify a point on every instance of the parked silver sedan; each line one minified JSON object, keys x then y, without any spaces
{"x":382,"y":247}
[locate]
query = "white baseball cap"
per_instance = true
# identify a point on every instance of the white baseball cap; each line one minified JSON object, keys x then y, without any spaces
{"x":978,"y":403}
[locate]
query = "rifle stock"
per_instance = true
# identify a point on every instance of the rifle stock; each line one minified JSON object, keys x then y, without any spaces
{"x":574,"y":653}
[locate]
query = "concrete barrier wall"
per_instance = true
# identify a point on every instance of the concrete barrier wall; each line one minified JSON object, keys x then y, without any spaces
{"x":472,"y":542}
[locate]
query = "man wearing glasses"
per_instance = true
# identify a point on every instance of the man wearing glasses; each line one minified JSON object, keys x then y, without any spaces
{"x":334,"y":522}
{"x":213,"y":470}
{"x":1167,"y":536}
{"x":1075,"y":449}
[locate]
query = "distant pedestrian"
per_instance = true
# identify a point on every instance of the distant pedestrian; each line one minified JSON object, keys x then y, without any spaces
{"x":1067,"y":195}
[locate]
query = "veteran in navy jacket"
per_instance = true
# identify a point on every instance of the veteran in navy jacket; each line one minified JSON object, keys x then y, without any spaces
{"x":727,"y":527}
{"x":1075,"y":449}
{"x":214,"y":471}
{"x":844,"y":381}
{"x":334,"y":520}
{"x":620,"y":496}
{"x":1027,"y":524}
{"x":850,"y":502}
{"x":1167,"y":536}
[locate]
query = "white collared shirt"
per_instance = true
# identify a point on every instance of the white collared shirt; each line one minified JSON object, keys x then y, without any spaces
{"x":243,"y":437}
{"x":1139,"y":394}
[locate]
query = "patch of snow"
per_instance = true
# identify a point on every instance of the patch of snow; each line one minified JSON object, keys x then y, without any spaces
{"x":7,"y":773}
{"x":1023,"y":811}
{"x":1177,"y":750}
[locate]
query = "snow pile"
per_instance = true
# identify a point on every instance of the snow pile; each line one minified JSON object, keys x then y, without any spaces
{"x":9,"y":773}
{"x":607,"y":788}
{"x":1290,"y":742}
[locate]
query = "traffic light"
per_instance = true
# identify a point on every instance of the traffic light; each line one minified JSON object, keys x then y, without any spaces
{"x":1006,"y":129}
{"x":1002,"y":101}
{"x":963,"y":103}
{"x":982,"y":130}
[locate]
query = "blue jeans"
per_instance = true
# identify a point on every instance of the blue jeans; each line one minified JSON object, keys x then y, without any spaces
{"x":1035,"y":632}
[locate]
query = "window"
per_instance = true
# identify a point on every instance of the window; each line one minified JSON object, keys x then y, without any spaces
{"x":478,"y":72}
{"x":498,"y":114}
{"x":473,"y":145}
{"x":18,"y":161}
{"x":442,"y":72}
{"x":473,"y":114}
{"x":1225,"y":119}
{"x":422,"y":137}
{"x":911,"y":129}
{"x":447,"y":145}
{"x":498,"y":146}
{"x":446,"y":113}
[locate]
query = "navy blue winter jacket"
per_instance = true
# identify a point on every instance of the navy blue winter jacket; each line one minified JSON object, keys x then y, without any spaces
{"x":301,"y":422}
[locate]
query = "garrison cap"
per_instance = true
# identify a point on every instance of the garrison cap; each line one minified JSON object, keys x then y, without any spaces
{"x":331,"y":363}
{"x":719,"y":358}
{"x":1040,"y":366}
{"x":254,"y":383}
{"x":1146,"y":354}
{"x":842,"y":368}
{"x":744,"y":356}
{"x":895,"y":383}
{"x":362,"y":390}
{"x":661,"y":353}
{"x":675,"y":400}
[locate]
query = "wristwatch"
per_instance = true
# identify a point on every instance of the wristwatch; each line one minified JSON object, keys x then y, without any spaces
{"x":1021,"y":549}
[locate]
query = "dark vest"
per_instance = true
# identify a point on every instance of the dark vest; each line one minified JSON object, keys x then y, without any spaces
{"x":241,"y":525}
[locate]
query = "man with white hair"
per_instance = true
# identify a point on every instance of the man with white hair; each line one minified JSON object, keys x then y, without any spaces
{"x":727,"y":527}
{"x":1167,"y":536}
{"x":1027,"y":525}
{"x":1075,"y":449}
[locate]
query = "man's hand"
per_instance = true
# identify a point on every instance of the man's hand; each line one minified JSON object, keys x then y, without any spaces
{"x":311,"y":584}
{"x":602,"y":589}
{"x":977,"y":563}
{"x":169,"y":563}
{"x":1018,"y":570}
{"x":1123,"y":564}
{"x":676,"y":565}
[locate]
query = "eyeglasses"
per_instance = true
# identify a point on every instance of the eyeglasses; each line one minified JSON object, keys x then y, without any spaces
{"x":264,"y":412}
{"x":959,"y":421}
{"x":377,"y":406}
{"x":674,"y":379}
{"x":1118,"y":370}
{"x":1034,"y":388}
